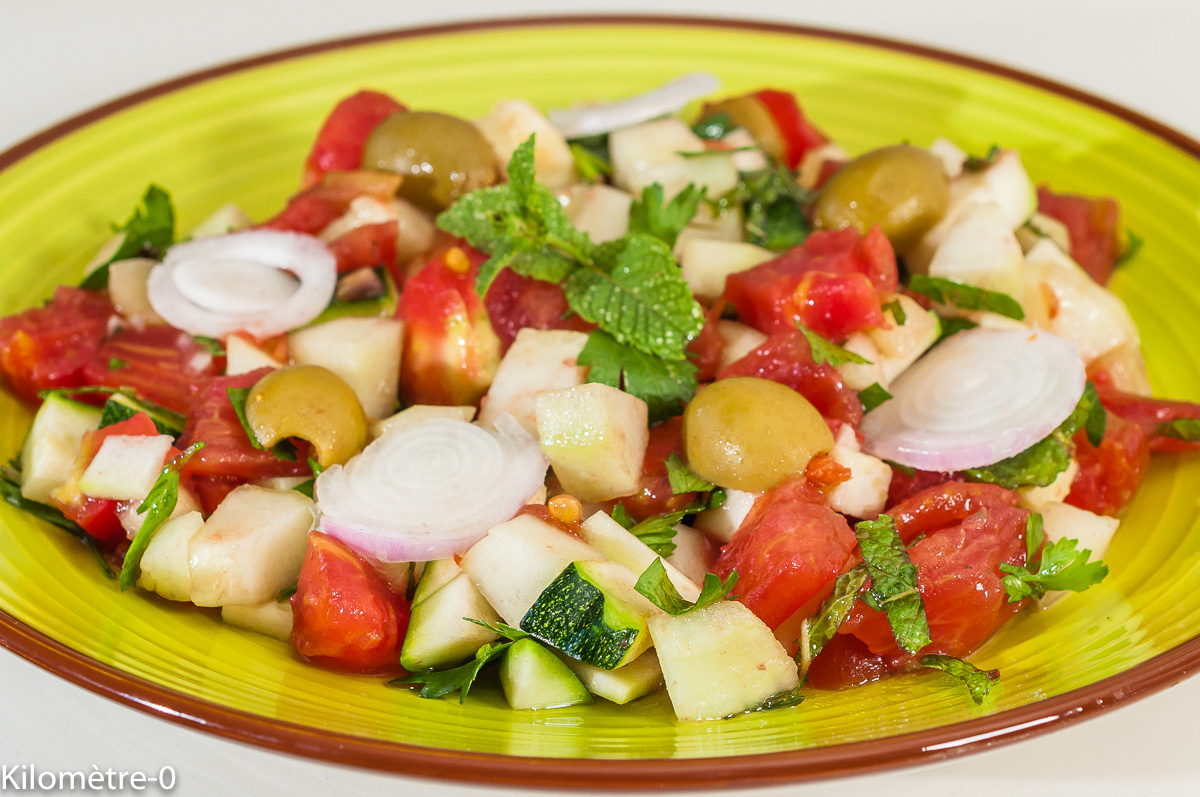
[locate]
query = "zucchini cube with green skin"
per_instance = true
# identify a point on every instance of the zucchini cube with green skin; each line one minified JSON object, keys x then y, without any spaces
{"x":439,"y":635}
{"x":720,"y":660}
{"x":592,"y":613}
{"x":595,"y":437}
{"x":364,"y":352}
{"x":52,"y":444}
{"x":532,"y":677}
{"x":272,"y":618}
{"x":436,"y":575}
{"x":617,"y":544}
{"x":636,"y":679}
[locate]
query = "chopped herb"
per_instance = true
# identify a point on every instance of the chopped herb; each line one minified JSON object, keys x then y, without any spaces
{"x":621,"y":516}
{"x":592,"y":167}
{"x":974,"y":163}
{"x":653,"y":215}
{"x":308,"y":486}
{"x":210,"y":345}
{"x":951,"y":326}
{"x":708,"y":153}
{"x":819,"y":629}
{"x":897,"y":311}
{"x":1185,"y":429}
{"x":157,"y":508}
{"x":978,"y":682}
{"x":905,"y":469}
{"x":1060,"y":566}
{"x":773,"y":207}
{"x":237,"y":397}
{"x":894,"y":587}
{"x":657,"y":588}
{"x":715,"y":126}
{"x":658,"y":531}
{"x":123,"y":404}
{"x":1133,"y":245}
{"x":872,"y":396}
{"x":10,"y":487}
{"x":116,"y":364}
{"x":683,"y":479}
{"x":966,"y":297}
{"x":286,"y":593}
{"x":715,"y":499}
{"x":825,"y":352}
{"x":149,"y":232}
{"x":665,"y":385}
{"x":788,"y":698}
{"x":439,"y":683}
{"x":506,"y":631}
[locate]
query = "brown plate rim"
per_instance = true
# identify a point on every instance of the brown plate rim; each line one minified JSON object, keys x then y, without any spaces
{"x":928,"y":746}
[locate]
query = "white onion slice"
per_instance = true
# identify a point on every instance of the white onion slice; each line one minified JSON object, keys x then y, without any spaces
{"x":430,"y":490}
{"x":981,"y":396}
{"x":263,"y":282}
{"x":592,"y":120}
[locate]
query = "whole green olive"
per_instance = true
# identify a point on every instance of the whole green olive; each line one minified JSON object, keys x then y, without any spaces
{"x":441,"y":157}
{"x":750,"y":433}
{"x":903,"y":189}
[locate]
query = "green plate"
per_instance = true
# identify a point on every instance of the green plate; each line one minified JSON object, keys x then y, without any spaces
{"x":241,"y":133}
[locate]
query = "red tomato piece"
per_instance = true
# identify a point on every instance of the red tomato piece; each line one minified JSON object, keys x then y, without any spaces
{"x":211,"y":490}
{"x":339,"y":144}
{"x":311,"y":210}
{"x":825,"y":472}
{"x":1094,"y":224}
{"x":787,"y":358}
{"x":706,"y":348}
{"x":944,"y":505}
{"x":788,"y":550}
{"x":958,"y":572}
{"x":798,"y":134}
{"x":1150,"y":413}
{"x":370,"y":245}
{"x":828,"y":169}
{"x":1110,"y":475}
{"x":48,"y":347}
{"x":773,"y":296}
{"x":450,"y":350}
{"x":227,"y":451}
{"x":655,"y":496}
{"x":160,"y":363}
{"x":346,"y":617}
{"x":846,"y":661}
{"x":515,"y":302}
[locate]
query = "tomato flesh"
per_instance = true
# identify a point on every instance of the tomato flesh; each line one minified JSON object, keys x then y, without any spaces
{"x":159,"y":363}
{"x":1094,"y":224}
{"x":367,"y":246}
{"x":1150,"y":414}
{"x":314,"y":208}
{"x":346,"y":616}
{"x":708,"y":346}
{"x":515,"y":302}
{"x":944,"y":505}
{"x":654,"y":496}
{"x":798,"y":134}
{"x":1110,"y":474}
{"x":339,"y":144}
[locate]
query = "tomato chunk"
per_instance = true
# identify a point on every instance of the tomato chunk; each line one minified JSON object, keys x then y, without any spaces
{"x":654,"y":496}
{"x":367,"y":246}
{"x":798,"y":134}
{"x":312,"y":210}
{"x":346,"y":617}
{"x":49,"y":347}
{"x":846,"y":661}
{"x":1150,"y":414}
{"x":160,"y":363}
{"x":450,"y":350}
{"x":1109,"y":475}
{"x":339,"y":144}
{"x":515,"y":302}
{"x":944,"y":505}
{"x":706,"y":348}
{"x":788,"y":551}
{"x":905,"y":485}
{"x":1094,"y":224}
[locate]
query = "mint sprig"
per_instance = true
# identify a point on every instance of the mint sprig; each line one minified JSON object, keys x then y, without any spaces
{"x":657,"y":588}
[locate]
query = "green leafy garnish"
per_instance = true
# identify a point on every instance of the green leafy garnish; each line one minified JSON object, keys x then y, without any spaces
{"x":210,"y":345}
{"x":825,"y":352}
{"x":664,"y":220}
{"x":506,"y":631}
{"x":966,"y":297}
{"x":657,"y":588}
{"x":872,"y":396}
{"x":821,"y":627}
{"x":897,"y":310}
{"x":1133,"y":245}
{"x":905,"y":469}
{"x":237,"y":397}
{"x":951,"y":326}
{"x":665,"y":385}
{"x":715,"y":499}
{"x":1185,"y":429}
{"x":978,"y":682}
{"x":894,"y":588}
{"x":439,"y":683}
{"x":307,"y":487}
{"x":658,"y":531}
{"x":124,"y":404}
{"x":710,"y":153}
{"x":158,"y":506}
{"x":10,"y":488}
{"x":149,"y":232}
{"x":1059,"y":566}
{"x":974,"y":163}
{"x":116,"y":364}
{"x":286,"y":593}
{"x":621,"y":516}
{"x":1034,"y":536}
{"x":591,"y":167}
{"x":715,"y":126}
{"x":683,"y":479}
{"x":785,"y":699}
{"x":773,"y":207}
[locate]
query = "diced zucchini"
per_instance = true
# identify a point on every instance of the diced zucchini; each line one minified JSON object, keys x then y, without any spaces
{"x":705,"y":263}
{"x":125,"y":467}
{"x":52,"y":445}
{"x":636,"y":679}
{"x":272,"y":618}
{"x":740,"y":340}
{"x":601,"y":211}
{"x":865,"y":493}
{"x":438,"y":635}
{"x":250,"y":548}
{"x":1036,"y":498}
{"x":538,"y":360}
{"x":648,"y":153}
{"x":164,"y":566}
{"x":595,"y":437}
{"x":365,"y":352}
{"x":242,"y":357}
{"x":436,"y":575}
{"x":127,"y":290}
{"x":694,"y":553}
{"x":1093,"y":532}
{"x":612,"y":539}
{"x":723,"y":522}
{"x":121,"y":406}
{"x":720,"y":660}
{"x":592,"y":613}
{"x":532,"y":677}
{"x":980,"y":249}
{"x":518,"y":559}
{"x":511,"y":123}
{"x":420,"y":412}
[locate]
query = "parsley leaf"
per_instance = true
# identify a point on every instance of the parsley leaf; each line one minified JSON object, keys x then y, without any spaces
{"x":591,"y":166}
{"x":506,"y":631}
{"x":715,"y":126}
{"x":966,"y":297}
{"x":439,"y":683}
{"x":657,"y":588}
{"x":665,"y":385}
{"x":158,"y":506}
{"x":210,"y":345}
{"x":820,"y":628}
{"x":306,"y":488}
{"x":1185,"y":429}
{"x":951,"y":326}
{"x":683,"y":479}
{"x":664,"y":220}
{"x":897,"y":310}
{"x":974,"y":163}
{"x":116,"y":364}
{"x":894,"y":587}
{"x":658,"y":531}
{"x":978,"y":682}
{"x":237,"y":397}
{"x":872,"y":396}
{"x":286,"y":593}
{"x":621,"y":516}
{"x":1133,"y":245}
{"x":773,"y":208}
{"x":150,"y":231}
{"x":1062,"y":566}
{"x":785,"y":699}
{"x":715,"y":499}
{"x":825,"y":352}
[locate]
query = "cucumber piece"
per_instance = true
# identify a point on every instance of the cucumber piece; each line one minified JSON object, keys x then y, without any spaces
{"x":436,"y":575}
{"x":273,"y":618}
{"x":52,"y":444}
{"x":438,"y":635}
{"x":532,"y":677}
{"x":636,"y":679}
{"x":592,"y":613}
{"x":122,"y":406}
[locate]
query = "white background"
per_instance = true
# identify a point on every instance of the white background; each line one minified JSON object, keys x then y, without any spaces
{"x":58,"y":57}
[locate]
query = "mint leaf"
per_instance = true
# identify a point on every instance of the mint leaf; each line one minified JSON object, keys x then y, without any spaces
{"x":1034,"y":536}
{"x":621,"y":516}
{"x":306,"y":488}
{"x":773,"y":208}
{"x":683,"y":479}
{"x":149,"y":232}
{"x":715,"y":499}
{"x":1062,"y":566}
{"x":715,"y":126}
{"x":978,"y":682}
{"x":894,"y":586}
{"x":872,"y":396}
{"x":821,"y":627}
{"x":975,"y":163}
{"x":785,"y":699}
{"x":286,"y":593}
{"x":158,"y":506}
{"x":651,"y":216}
{"x":825,"y":352}
{"x":591,"y":167}
{"x":657,"y":588}
{"x":665,"y":385}
{"x":1133,"y":245}
{"x":1185,"y":429}
{"x":897,"y":309}
{"x":966,"y":297}
{"x":439,"y":683}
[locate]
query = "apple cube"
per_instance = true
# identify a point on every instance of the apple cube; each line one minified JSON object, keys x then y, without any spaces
{"x":723,"y":522}
{"x":420,"y":412}
{"x":1036,"y":498}
{"x":980,"y":249}
{"x":365,"y":352}
{"x":601,"y":211}
{"x":1093,"y":532}
{"x":538,"y":360}
{"x":648,"y":153}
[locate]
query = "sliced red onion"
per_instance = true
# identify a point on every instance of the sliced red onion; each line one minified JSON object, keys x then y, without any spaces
{"x":262,"y":282}
{"x":430,"y":490}
{"x":592,"y":120}
{"x":981,"y":396}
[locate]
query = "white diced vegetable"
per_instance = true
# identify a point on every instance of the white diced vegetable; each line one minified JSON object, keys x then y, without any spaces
{"x":951,"y":156}
{"x":439,"y":633}
{"x":649,"y":153}
{"x":601,"y":211}
{"x":1042,"y":226}
{"x":751,"y":157}
{"x":980,"y":249}
{"x":164,"y":565}
{"x":694,"y":553}
{"x":900,"y":345}
{"x":251,"y":547}
{"x":708,"y":225}
{"x":865,"y":493}
{"x":364,"y":352}
{"x":595,"y":437}
{"x":611,"y":539}
{"x":272,"y":618}
{"x":637,"y":678}
{"x":420,"y":412}
{"x":859,"y":376}
{"x":814,"y":162}
{"x":511,"y":123}
{"x":127,"y":290}
{"x":242,"y":357}
{"x":224,"y":220}
{"x":52,"y":444}
{"x":132,"y":521}
{"x":1093,"y":532}
{"x":740,"y":340}
{"x":125,"y":467}
{"x":1035,"y":498}
{"x":706,"y":263}
{"x":723,"y":522}
{"x":538,"y":360}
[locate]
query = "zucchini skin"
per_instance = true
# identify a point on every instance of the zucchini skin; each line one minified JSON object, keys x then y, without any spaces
{"x":570,"y":615}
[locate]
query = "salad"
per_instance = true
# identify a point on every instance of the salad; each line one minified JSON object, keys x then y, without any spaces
{"x":665,"y":393}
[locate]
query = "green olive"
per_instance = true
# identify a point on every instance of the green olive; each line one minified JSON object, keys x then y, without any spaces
{"x":312,"y":403}
{"x":903,"y":189}
{"x":749,"y":433}
{"x":441,"y":157}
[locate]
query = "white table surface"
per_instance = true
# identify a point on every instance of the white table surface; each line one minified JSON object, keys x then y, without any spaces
{"x":58,"y":57}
